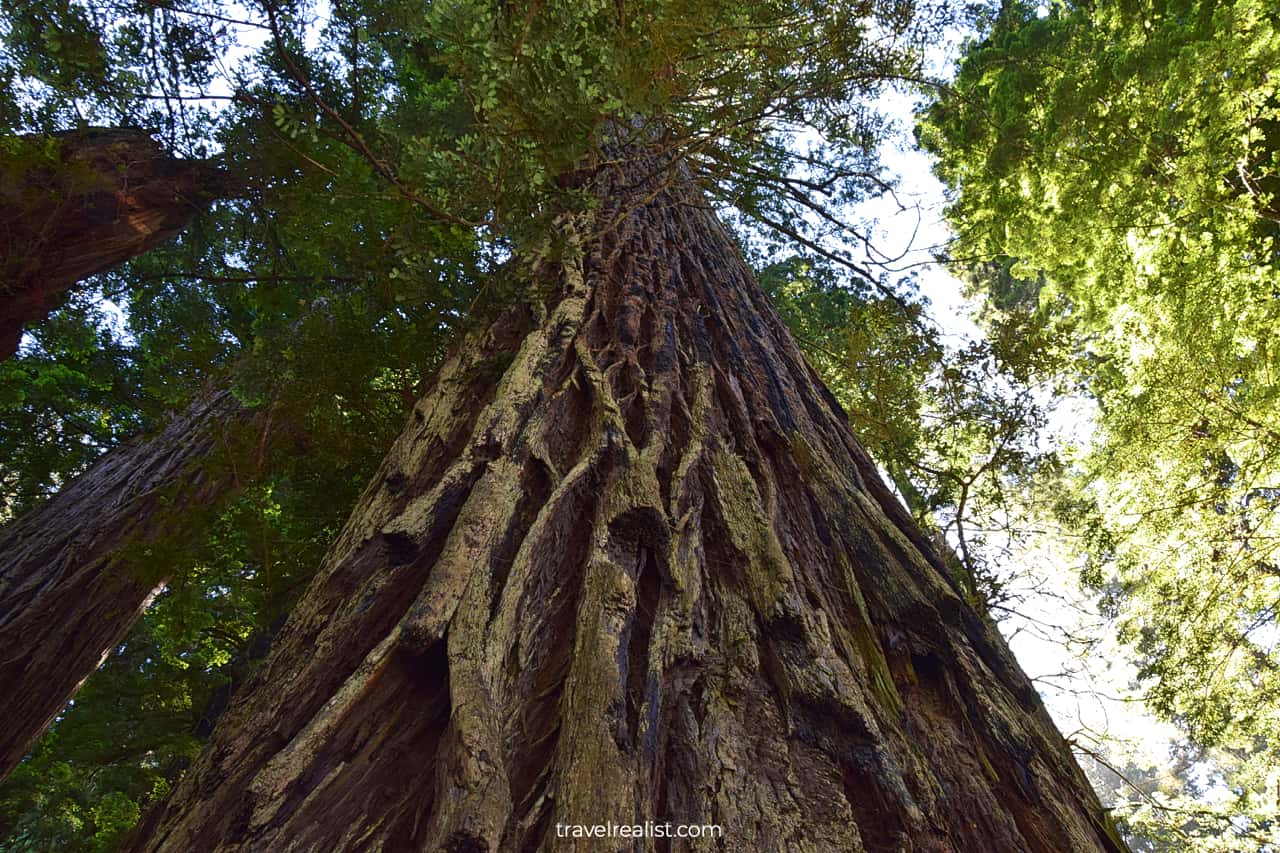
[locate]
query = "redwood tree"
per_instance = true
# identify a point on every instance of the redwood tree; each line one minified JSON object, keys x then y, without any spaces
{"x":72,"y":205}
{"x":77,"y":203}
{"x":627,"y":563}
{"x":77,"y":572}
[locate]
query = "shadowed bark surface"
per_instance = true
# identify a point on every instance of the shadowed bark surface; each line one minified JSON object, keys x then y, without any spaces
{"x":81,"y":202}
{"x":627,"y":563}
{"x":78,"y":571}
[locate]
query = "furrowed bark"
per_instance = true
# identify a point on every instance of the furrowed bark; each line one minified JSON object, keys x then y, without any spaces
{"x":78,"y":571}
{"x":627,"y":563}
{"x":100,"y":198}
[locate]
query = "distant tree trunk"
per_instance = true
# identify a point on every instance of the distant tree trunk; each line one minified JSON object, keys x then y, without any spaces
{"x":78,"y":203}
{"x":627,"y":563}
{"x":78,"y":571}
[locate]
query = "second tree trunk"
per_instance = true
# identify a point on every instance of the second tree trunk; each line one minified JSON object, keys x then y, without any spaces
{"x":78,"y":570}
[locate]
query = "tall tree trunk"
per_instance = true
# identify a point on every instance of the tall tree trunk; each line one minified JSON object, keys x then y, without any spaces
{"x":627,"y":563}
{"x":78,"y":571}
{"x":78,"y":203}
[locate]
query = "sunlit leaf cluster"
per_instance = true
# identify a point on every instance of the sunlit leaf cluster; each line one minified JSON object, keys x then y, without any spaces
{"x":1127,"y":156}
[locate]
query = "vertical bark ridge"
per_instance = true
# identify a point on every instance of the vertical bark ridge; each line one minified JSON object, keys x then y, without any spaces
{"x":645,"y":575}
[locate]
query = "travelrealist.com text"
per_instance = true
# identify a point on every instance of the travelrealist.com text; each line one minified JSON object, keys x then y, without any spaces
{"x":648,"y":829}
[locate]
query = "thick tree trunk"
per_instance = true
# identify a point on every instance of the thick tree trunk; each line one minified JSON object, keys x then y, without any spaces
{"x":81,"y":202}
{"x":78,"y":571}
{"x":635,"y":570}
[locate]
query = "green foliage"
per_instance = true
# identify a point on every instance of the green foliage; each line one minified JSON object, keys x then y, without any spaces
{"x":71,"y":396}
{"x":1126,"y":154}
{"x":1199,"y":799}
{"x":120,"y":62}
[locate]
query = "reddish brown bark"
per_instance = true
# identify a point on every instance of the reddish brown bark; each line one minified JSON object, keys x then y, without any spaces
{"x":627,"y":563}
{"x":79,"y":203}
{"x":77,"y":572}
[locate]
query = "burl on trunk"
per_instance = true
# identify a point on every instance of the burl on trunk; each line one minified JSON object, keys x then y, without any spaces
{"x":626,"y":563}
